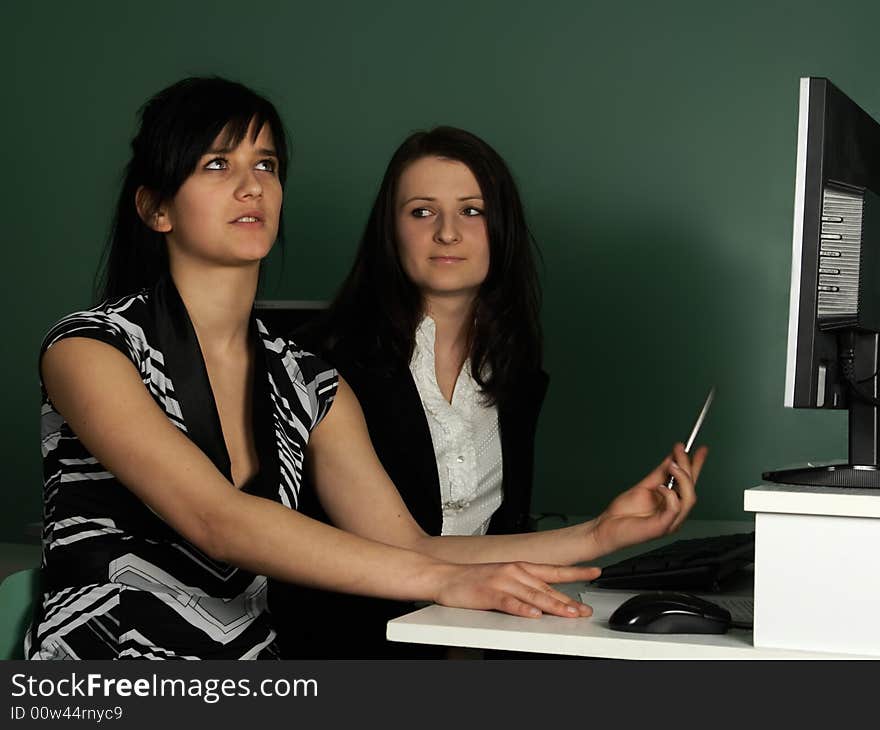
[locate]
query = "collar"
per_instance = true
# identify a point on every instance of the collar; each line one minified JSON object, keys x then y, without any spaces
{"x":185,"y":365}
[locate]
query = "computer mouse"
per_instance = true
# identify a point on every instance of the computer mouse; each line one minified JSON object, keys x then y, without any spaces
{"x":670,"y":612}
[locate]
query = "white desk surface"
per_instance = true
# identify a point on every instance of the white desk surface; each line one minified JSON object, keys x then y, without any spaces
{"x":802,"y":500}
{"x":589,"y":636}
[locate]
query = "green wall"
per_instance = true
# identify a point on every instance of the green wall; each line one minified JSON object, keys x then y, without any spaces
{"x":654,"y":144}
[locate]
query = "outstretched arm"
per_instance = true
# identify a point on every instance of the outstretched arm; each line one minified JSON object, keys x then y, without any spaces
{"x":100,"y":394}
{"x":358,"y":496}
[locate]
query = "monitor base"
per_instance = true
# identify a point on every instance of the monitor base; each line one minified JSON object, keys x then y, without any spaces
{"x":833,"y":475}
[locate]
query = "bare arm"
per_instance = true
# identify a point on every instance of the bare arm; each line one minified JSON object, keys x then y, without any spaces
{"x":359,"y":496}
{"x":101,"y":396}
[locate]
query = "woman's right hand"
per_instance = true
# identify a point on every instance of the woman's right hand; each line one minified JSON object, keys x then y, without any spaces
{"x":520,"y":589}
{"x":648,"y":509}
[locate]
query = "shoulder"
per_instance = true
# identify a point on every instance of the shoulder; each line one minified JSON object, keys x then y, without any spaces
{"x":289,"y":350}
{"x":308,"y":373}
{"x":119,"y":323}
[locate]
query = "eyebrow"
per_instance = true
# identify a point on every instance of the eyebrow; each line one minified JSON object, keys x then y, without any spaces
{"x":424,"y":197}
{"x":261,"y":152}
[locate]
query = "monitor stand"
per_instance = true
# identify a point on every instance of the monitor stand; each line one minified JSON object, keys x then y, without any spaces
{"x":862,"y":471}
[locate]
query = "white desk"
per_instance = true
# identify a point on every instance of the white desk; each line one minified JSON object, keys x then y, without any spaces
{"x":817,"y":567}
{"x":587,"y":636}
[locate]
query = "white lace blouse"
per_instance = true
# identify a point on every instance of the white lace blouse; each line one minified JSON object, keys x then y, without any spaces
{"x":467,"y":442}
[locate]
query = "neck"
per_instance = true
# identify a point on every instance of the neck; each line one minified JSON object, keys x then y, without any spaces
{"x":219,"y":302}
{"x":453,"y":320}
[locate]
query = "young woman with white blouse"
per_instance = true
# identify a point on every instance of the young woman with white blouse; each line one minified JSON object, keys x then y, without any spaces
{"x":437,"y":330}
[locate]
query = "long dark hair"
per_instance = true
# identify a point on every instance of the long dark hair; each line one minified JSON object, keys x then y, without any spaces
{"x":177,"y":126}
{"x":377,"y":309}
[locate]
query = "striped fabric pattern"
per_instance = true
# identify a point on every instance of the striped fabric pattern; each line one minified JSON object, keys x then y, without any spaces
{"x":118,"y":582}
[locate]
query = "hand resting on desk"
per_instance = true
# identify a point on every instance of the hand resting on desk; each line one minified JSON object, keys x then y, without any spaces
{"x":520,"y":589}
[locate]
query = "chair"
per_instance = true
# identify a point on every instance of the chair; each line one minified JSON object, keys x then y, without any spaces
{"x":18,"y":592}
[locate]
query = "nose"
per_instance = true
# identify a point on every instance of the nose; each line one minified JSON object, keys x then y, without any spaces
{"x":446,"y":231}
{"x":249,"y":186}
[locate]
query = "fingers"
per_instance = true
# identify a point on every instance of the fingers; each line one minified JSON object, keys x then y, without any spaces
{"x":685,"y":472}
{"x":670,"y":512}
{"x":660,"y":472}
{"x":681,"y":458}
{"x":527,"y":593}
{"x":685,"y":481}
{"x":697,"y":462}
{"x":658,"y":475}
{"x":691,"y":464}
{"x":561,"y":574}
{"x":684,"y":495}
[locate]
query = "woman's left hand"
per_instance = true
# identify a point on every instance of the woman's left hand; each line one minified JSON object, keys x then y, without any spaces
{"x":648,"y":509}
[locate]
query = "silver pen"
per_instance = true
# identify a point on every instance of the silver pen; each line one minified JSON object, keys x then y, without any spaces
{"x":696,"y":429}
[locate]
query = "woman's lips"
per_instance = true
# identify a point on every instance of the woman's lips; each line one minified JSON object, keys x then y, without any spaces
{"x":251,"y":218}
{"x":447,"y":259}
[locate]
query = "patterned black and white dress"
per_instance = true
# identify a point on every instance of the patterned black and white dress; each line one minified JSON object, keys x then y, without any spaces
{"x":117,"y":581}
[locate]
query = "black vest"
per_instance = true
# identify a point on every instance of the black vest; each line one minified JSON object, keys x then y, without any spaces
{"x":333,"y":625}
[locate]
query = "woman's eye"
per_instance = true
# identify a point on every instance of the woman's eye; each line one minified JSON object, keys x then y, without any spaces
{"x":420,"y":212}
{"x":218,"y":163}
{"x":470,"y":211}
{"x":266,"y":165}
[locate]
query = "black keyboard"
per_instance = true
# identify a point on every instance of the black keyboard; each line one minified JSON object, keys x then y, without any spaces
{"x":702,"y":563}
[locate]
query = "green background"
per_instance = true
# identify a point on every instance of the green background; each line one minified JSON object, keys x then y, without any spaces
{"x":654,"y":144}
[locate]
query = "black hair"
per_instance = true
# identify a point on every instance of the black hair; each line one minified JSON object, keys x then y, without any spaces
{"x":177,"y":126}
{"x":378,"y":308}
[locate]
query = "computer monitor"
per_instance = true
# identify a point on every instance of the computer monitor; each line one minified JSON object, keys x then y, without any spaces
{"x":834,"y":315}
{"x":286,"y":316}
